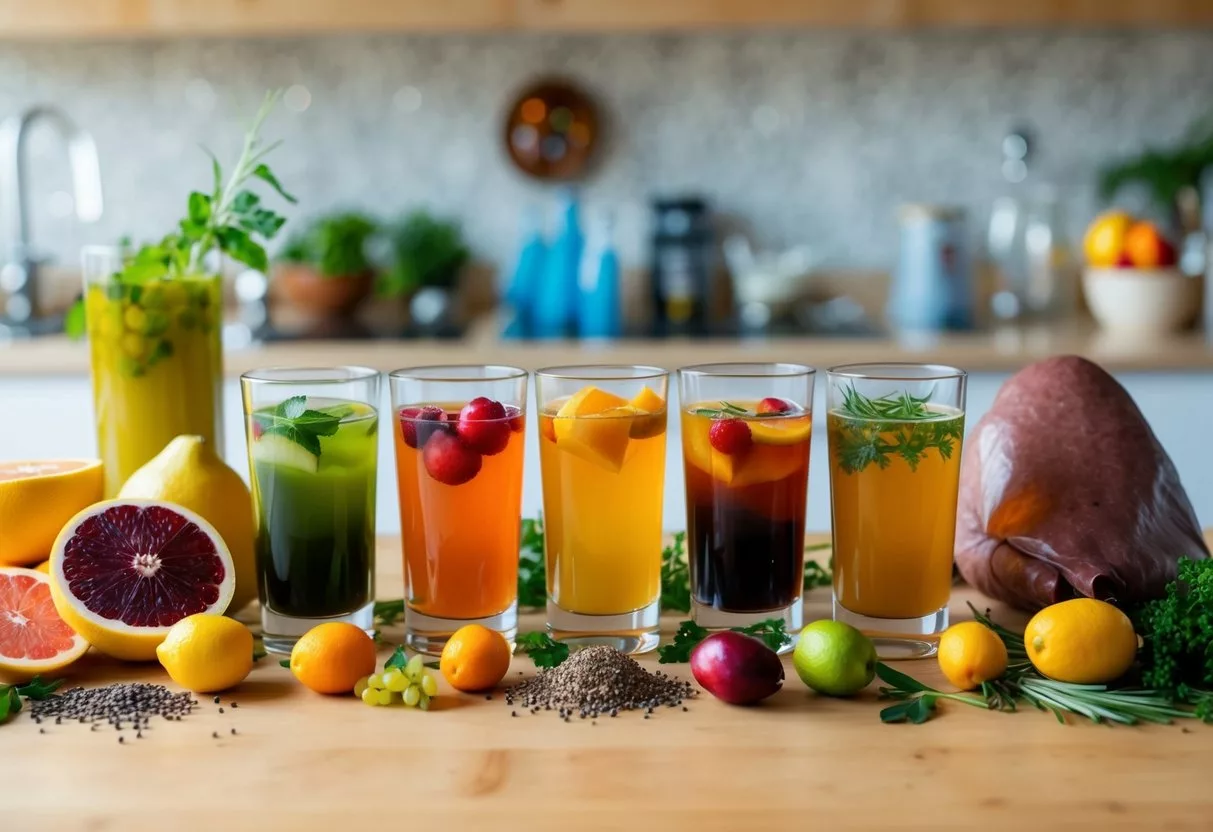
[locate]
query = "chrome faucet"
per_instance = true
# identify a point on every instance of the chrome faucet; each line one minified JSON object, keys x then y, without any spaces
{"x":19,"y":268}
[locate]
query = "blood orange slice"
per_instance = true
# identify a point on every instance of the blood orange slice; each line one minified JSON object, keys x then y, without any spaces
{"x":33,"y":638}
{"x":124,"y":571}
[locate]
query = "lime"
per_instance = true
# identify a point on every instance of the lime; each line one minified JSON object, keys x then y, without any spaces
{"x":834,"y":658}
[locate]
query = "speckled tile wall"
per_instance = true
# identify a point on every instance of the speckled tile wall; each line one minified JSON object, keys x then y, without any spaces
{"x":806,"y":137}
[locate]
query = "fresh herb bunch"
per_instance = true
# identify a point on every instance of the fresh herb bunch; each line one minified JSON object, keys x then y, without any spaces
{"x":425,"y":251}
{"x":916,"y":429}
{"x":1022,"y":683}
{"x":335,"y":245}
{"x":532,"y":577}
{"x":36,"y":689}
{"x":294,"y":420}
{"x":1176,"y":654}
{"x":544,"y":650}
{"x":770,"y":632}
{"x":230,"y":221}
{"x":676,"y":576}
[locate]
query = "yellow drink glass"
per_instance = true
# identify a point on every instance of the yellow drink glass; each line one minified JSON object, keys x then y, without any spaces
{"x":895,"y":433}
{"x":602,"y":450}
{"x":157,"y":363}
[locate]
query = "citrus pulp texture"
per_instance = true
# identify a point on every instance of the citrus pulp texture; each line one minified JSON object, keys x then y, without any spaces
{"x":34,"y":639}
{"x":124,"y":571}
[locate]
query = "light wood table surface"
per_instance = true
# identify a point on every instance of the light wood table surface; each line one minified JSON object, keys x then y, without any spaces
{"x":301,"y":761}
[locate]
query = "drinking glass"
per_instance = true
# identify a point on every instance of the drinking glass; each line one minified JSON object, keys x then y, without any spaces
{"x":459,"y":438}
{"x":895,"y":433}
{"x":156,"y":361}
{"x":313,"y":440}
{"x":746,"y":430}
{"x":602,"y":452}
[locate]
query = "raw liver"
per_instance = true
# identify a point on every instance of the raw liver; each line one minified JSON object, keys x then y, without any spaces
{"x":1064,"y":491}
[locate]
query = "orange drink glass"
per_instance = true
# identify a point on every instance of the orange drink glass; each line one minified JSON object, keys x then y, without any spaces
{"x":895,"y":434}
{"x":459,"y":436}
{"x":602,"y":434}
{"x":746,"y":431}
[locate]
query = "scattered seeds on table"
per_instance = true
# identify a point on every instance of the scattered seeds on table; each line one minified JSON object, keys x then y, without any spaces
{"x":597,"y":681}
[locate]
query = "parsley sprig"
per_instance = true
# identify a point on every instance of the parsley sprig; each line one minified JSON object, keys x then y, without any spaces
{"x":1176,"y":630}
{"x":294,"y":420}
{"x":873,"y":430}
{"x":770,"y":631}
{"x":544,"y":650}
{"x":36,"y":689}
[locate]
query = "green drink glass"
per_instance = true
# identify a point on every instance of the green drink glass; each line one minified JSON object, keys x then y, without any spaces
{"x":313,"y":443}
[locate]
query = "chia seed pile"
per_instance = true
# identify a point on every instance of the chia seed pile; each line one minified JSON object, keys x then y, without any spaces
{"x":598,"y":681}
{"x":128,"y":705}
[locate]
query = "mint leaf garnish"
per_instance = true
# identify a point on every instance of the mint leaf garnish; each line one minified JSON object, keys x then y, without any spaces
{"x":292,"y":408}
{"x":294,"y":420}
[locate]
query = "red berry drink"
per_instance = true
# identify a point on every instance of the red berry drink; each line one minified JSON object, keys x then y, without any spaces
{"x":459,"y":471}
{"x":746,"y":461}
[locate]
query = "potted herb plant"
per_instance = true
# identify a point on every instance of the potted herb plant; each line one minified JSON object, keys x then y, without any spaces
{"x":427,"y":255}
{"x":324,"y":269}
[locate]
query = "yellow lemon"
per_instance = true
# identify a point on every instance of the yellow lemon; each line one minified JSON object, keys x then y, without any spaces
{"x":36,"y":498}
{"x":1083,"y":641}
{"x":971,"y":653}
{"x":189,"y":473}
{"x":1105,"y":239}
{"x":206,"y":653}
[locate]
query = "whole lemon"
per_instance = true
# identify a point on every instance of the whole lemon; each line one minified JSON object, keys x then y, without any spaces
{"x":332,"y":657}
{"x":475,"y":658}
{"x":205,"y":653}
{"x":1105,"y":239}
{"x":1084,"y":641}
{"x":189,"y":473}
{"x":971,"y":653}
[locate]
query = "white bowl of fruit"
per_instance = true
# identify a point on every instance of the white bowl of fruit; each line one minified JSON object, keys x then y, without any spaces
{"x":1132,"y":283}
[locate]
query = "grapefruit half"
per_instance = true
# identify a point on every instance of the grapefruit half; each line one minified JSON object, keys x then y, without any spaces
{"x":36,"y":498}
{"x":124,"y":571}
{"x":34,"y":639}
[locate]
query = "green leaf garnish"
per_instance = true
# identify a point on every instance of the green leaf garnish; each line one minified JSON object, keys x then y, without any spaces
{"x":399,"y":659}
{"x":36,"y":689}
{"x":771,"y":631}
{"x":532,"y":575}
{"x":293,"y":420}
{"x":870,"y":431}
{"x":229,"y":221}
{"x":544,"y":650}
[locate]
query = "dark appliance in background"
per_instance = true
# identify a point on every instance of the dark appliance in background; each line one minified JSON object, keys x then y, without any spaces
{"x":683,"y":262}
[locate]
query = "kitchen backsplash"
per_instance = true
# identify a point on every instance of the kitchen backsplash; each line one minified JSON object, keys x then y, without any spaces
{"x":806,"y":137}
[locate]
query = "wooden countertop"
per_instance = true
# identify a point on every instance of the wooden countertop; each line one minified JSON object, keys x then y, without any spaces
{"x":302,"y":761}
{"x":997,"y":351}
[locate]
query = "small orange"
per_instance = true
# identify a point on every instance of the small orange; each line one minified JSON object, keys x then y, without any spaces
{"x":1146,"y":247}
{"x":971,"y":653}
{"x":475,"y":658}
{"x":332,"y":657}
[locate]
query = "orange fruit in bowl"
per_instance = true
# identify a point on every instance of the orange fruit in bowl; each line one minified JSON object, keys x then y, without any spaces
{"x":331,"y":658}
{"x":37,"y":498}
{"x":475,"y":658}
{"x":1105,"y":239}
{"x":1146,"y":247}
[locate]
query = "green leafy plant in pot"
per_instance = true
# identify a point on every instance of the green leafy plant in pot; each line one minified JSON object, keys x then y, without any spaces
{"x":427,"y":255}
{"x":324,"y":269}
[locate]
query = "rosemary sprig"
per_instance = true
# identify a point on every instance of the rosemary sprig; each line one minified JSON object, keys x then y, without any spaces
{"x":871,"y":431}
{"x":1023,"y":683}
{"x":729,"y":410}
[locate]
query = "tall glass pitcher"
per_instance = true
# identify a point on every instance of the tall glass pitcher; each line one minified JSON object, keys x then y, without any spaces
{"x":157,"y":363}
